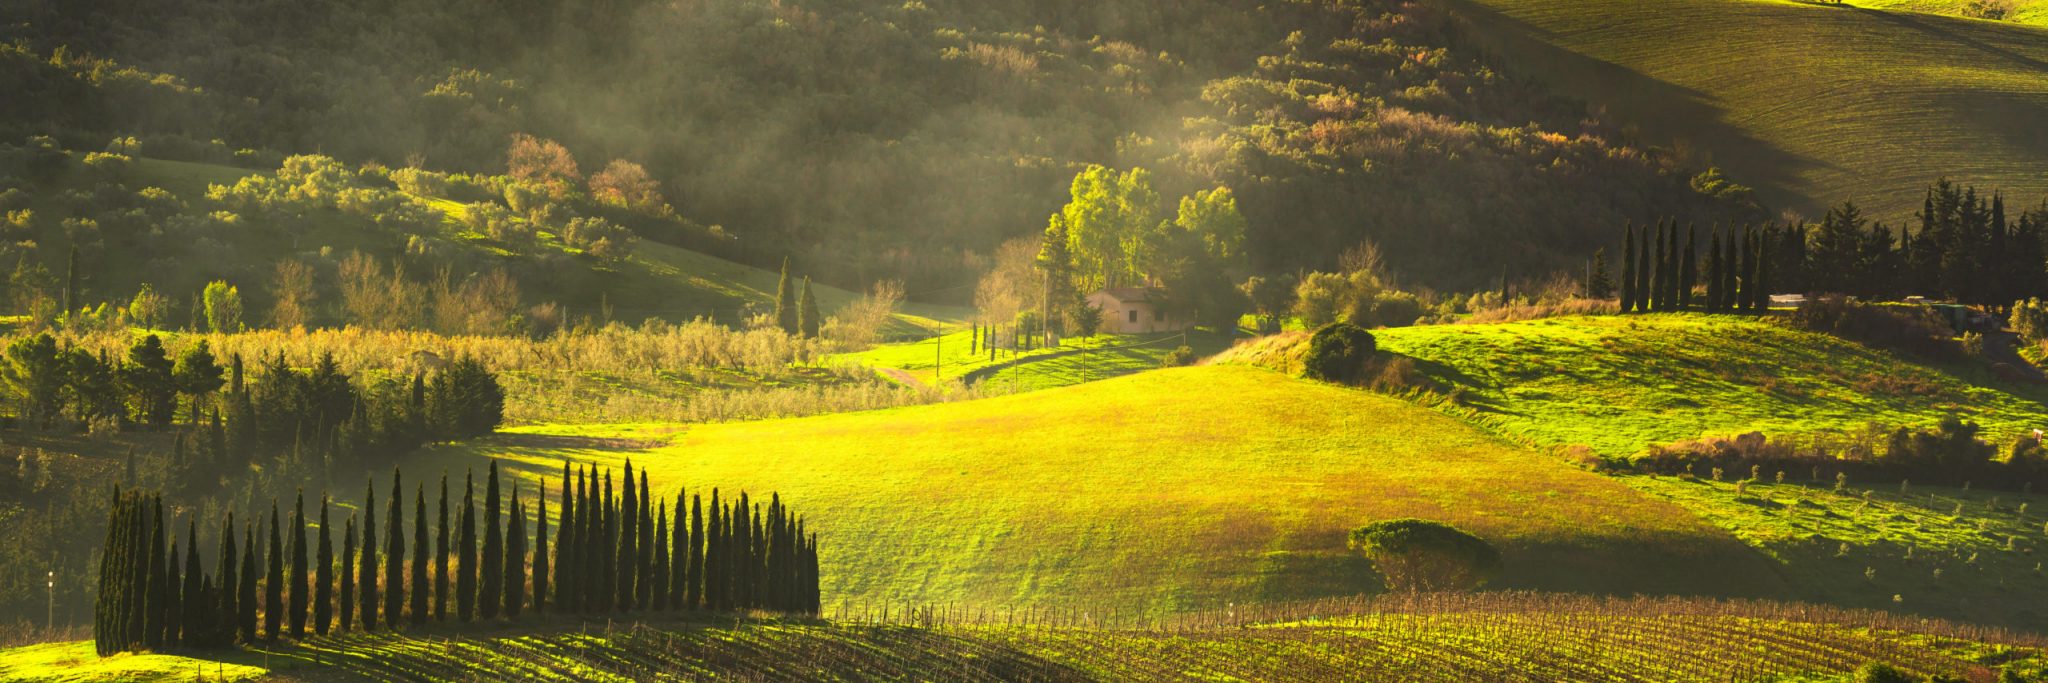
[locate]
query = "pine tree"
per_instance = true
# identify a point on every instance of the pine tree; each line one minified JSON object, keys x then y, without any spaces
{"x":491,"y":570}
{"x":515,"y":556}
{"x":347,"y":596}
{"x":420,"y":590}
{"x":807,"y":320}
{"x":323,"y":576}
{"x":441,"y":555}
{"x":1689,"y":270}
{"x":366,"y":575}
{"x":785,"y":302}
{"x":301,"y":575}
{"x":540,"y":551}
{"x":629,"y":547}
{"x":465,"y":548}
{"x":1628,"y":268}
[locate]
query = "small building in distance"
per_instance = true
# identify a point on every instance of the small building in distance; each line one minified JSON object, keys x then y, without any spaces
{"x":1134,"y":310}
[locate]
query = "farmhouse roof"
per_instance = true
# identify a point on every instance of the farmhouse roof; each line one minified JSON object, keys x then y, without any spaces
{"x":1130,"y":294}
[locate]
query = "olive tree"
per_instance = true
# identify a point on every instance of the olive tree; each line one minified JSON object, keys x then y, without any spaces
{"x":1420,"y":555}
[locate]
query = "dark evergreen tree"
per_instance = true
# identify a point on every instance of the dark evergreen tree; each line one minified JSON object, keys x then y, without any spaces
{"x":540,"y":551}
{"x":441,"y":555}
{"x":491,"y":570}
{"x":347,"y":597}
{"x":301,"y":574}
{"x":245,"y":598}
{"x":1761,"y":301}
{"x":657,"y":579}
{"x":367,"y":573}
{"x":714,"y":556}
{"x":420,"y":590}
{"x":174,"y":601}
{"x":694,"y":583}
{"x":807,"y":316}
{"x":465,"y":548}
{"x":628,"y":558}
{"x":192,"y":604}
{"x":515,"y":556}
{"x":273,"y":581}
{"x":785,"y":301}
{"x":323,"y":576}
{"x":1628,"y":268}
{"x":229,"y":563}
{"x":1689,"y":270}
{"x":643,"y":555}
{"x":394,"y":553}
{"x":566,"y":579}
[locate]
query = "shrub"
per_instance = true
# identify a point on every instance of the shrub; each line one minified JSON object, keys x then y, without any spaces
{"x":1178,"y":357}
{"x":1880,"y":672}
{"x":1338,"y":353}
{"x":1421,"y":555}
{"x":1911,"y":329}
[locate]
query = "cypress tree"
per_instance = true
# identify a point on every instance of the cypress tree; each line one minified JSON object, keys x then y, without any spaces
{"x":540,"y":551}
{"x":1745,"y":299}
{"x":192,"y":601}
{"x":679,"y":559}
{"x":174,"y":601}
{"x":1658,"y":272}
{"x":580,"y":590}
{"x":694,"y":583}
{"x":629,"y":548}
{"x":785,"y":301}
{"x":1729,"y":267}
{"x":491,"y":570}
{"x":347,"y":608}
{"x":515,"y":556}
{"x":1689,"y":269}
{"x":714,"y":573}
{"x":441,"y":555}
{"x":565,"y":546}
{"x":273,"y":582}
{"x":394,"y":554}
{"x":643,"y":556}
{"x":1761,"y":302}
{"x":657,"y":580}
{"x":323,"y":576}
{"x":807,"y":320}
{"x":1628,"y":268}
{"x":420,"y":591}
{"x":151,"y":585}
{"x":300,"y":597}
{"x":607,"y":557}
{"x":465,"y":548}
{"x":366,"y":575}
{"x":229,"y":612}
{"x":1713,"y":275}
{"x":103,"y":609}
{"x":245,"y":599}
{"x":1672,"y":269}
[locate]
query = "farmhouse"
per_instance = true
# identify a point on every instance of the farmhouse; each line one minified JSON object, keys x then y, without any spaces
{"x":1131,"y":310}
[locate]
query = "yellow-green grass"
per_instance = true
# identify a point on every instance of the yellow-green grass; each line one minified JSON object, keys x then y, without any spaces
{"x":956,"y":356}
{"x":76,"y":662}
{"x":1812,"y":102}
{"x":1619,"y":383}
{"x":2033,"y":12}
{"x":1965,"y":555}
{"x":1154,"y":493}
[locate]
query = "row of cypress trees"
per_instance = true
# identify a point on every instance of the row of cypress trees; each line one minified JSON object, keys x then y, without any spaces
{"x":1663,"y":276}
{"x":612,"y":553}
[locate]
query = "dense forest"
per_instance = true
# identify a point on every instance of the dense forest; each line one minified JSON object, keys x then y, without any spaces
{"x":876,"y":140}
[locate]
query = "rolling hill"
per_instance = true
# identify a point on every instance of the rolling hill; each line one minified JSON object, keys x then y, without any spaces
{"x":1151,"y":494}
{"x":1813,"y":103}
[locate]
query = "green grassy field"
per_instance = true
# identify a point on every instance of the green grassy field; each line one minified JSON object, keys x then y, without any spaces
{"x":1617,"y":384}
{"x":1812,"y":103}
{"x":1152,"y":494}
{"x":2033,"y":12}
{"x":1438,"y":638}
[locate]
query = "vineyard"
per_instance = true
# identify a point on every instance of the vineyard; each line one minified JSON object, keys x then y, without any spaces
{"x":1484,"y":637}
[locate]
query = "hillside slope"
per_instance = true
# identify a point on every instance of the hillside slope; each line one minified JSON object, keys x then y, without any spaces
{"x":1155,"y":494}
{"x":1813,"y":103}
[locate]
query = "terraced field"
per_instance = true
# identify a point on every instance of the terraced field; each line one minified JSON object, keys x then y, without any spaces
{"x":1811,"y":102}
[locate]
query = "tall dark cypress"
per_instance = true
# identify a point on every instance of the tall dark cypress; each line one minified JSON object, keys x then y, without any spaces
{"x":540,"y":551}
{"x":192,"y":607}
{"x":420,"y":590}
{"x":229,"y":610}
{"x":1729,"y":266}
{"x":679,"y":565}
{"x":245,"y":593}
{"x":657,"y":578}
{"x":174,"y":602}
{"x":394,"y":553}
{"x":301,"y":574}
{"x":714,"y":556}
{"x":1673,"y":274}
{"x":465,"y":549}
{"x":103,"y":607}
{"x":347,"y":596}
{"x":629,"y":554}
{"x":565,"y":546}
{"x":1713,"y":274}
{"x":1746,"y":298}
{"x":323,"y":576}
{"x":643,"y":555}
{"x":1643,"y":270}
{"x":151,"y":583}
{"x":366,"y":574}
{"x":273,"y":582}
{"x":1628,"y":272}
{"x":693,"y":583}
{"x":515,"y":556}
{"x":441,"y":555}
{"x":1658,"y":272}
{"x":1761,"y":302}
{"x":1689,"y":269}
{"x":607,"y":557}
{"x":491,"y":570}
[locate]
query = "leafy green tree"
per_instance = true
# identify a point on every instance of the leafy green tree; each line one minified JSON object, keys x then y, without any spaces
{"x":223,"y":305}
{"x":197,"y":375}
{"x":1421,"y":555}
{"x":465,"y":400}
{"x":35,"y":373}
{"x":1338,"y":352}
{"x":150,"y":382}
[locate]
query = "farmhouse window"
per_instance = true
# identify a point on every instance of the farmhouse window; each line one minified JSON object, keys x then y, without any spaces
{"x":1159,"y":314}
{"x":1134,"y":315}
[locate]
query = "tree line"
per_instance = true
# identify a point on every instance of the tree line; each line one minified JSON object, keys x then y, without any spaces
{"x":612,"y":554}
{"x":1966,"y":248}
